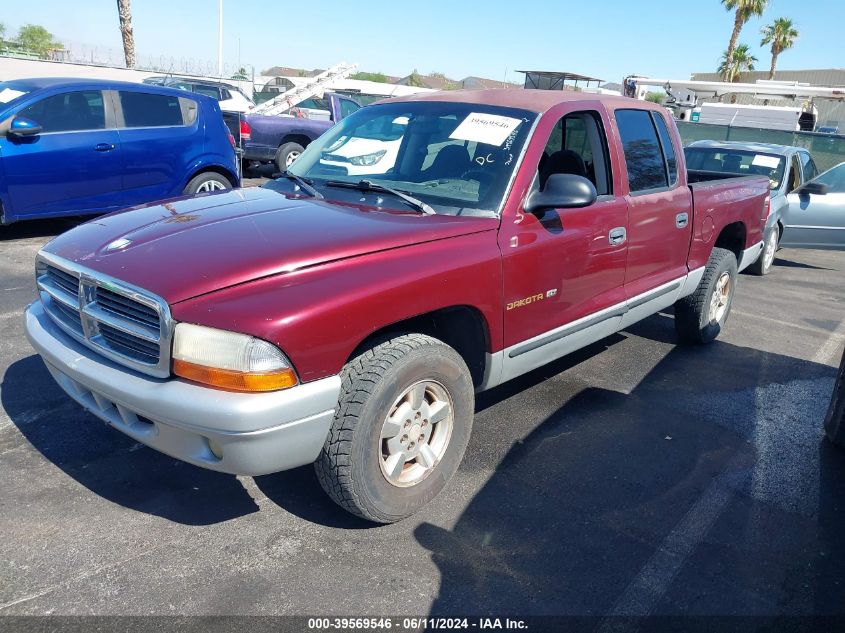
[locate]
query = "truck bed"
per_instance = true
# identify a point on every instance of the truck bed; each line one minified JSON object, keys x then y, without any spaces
{"x":726,"y":200}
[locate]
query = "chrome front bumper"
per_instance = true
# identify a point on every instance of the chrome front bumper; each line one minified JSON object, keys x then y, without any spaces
{"x":238,"y":433}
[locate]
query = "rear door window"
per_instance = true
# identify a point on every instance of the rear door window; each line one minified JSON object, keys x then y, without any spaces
{"x":643,"y":157}
{"x":69,"y":112}
{"x":142,"y":109}
{"x":668,"y":148}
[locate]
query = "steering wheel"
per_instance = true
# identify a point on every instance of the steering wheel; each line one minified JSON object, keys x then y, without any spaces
{"x":480,"y":175}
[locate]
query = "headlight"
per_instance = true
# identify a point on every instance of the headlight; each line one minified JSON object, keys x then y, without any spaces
{"x":228,"y":360}
{"x":366,"y":160}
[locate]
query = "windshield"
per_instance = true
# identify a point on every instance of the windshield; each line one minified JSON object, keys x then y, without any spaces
{"x":10,"y":91}
{"x":456,"y":157}
{"x":736,"y":161}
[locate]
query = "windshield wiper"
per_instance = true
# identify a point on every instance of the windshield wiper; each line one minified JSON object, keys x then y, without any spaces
{"x":369,"y":185}
{"x":306,"y":184}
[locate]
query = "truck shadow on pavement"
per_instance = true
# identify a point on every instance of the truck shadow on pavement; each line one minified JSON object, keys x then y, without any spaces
{"x":111,"y":464}
{"x":298,"y":491}
{"x":706,"y":490}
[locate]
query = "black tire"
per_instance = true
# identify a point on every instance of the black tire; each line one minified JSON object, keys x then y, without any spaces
{"x":834,"y":423}
{"x":207,"y":181}
{"x":692,"y":314}
{"x":763,"y":265}
{"x":350,"y":465}
{"x":285,"y":151}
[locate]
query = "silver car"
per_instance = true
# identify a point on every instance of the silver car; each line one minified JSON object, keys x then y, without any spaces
{"x":814,"y":216}
{"x":787,"y":167}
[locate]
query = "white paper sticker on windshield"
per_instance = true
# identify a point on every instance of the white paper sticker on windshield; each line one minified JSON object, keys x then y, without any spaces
{"x":7,"y":94}
{"x":761,"y":160}
{"x":491,"y":129}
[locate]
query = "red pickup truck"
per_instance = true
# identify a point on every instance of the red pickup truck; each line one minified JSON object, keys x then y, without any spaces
{"x":349,"y":320}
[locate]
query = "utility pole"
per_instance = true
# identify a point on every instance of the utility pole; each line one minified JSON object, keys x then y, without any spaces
{"x":220,"y":40}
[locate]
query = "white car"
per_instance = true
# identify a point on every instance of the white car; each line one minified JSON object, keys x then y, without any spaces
{"x":372,"y":152}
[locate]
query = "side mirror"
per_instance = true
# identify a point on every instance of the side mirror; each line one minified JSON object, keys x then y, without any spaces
{"x":812,"y":187}
{"x":21,"y":126}
{"x":562,"y":191}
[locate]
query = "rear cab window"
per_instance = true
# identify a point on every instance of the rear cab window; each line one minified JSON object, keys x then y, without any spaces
{"x":143,"y":109}
{"x":347,"y":107}
{"x":644,"y":158}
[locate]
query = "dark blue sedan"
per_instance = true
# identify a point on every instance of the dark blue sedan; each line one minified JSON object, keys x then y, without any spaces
{"x":75,"y":147}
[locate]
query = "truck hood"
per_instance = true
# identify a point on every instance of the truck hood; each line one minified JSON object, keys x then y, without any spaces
{"x":188,"y":247}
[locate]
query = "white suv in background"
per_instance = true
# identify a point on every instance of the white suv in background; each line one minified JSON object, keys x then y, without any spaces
{"x":230,"y":97}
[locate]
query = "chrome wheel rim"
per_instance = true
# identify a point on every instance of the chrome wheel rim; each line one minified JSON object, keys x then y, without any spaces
{"x":416,"y":433}
{"x":771,"y":247}
{"x":211,"y":185}
{"x":721,"y":297}
{"x":292,"y":156}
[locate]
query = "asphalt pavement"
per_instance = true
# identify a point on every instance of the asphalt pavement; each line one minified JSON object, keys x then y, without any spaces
{"x":636,"y":477}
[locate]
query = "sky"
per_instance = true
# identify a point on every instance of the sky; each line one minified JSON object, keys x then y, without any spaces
{"x":601,"y":38}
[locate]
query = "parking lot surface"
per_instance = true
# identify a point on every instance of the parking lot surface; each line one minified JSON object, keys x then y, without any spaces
{"x":636,"y":477}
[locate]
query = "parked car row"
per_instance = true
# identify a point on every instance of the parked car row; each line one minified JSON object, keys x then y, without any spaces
{"x":410,"y":254}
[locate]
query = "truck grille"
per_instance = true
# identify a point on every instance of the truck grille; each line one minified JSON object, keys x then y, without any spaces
{"x":123,"y":323}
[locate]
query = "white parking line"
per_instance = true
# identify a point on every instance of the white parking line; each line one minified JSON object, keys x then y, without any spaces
{"x":648,"y":587}
{"x":790,"y":324}
{"x":828,"y":353}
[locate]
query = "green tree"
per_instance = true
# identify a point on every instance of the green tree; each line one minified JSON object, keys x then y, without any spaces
{"x":2,"y":31}
{"x":37,"y":39}
{"x":415,"y":80}
{"x":378,"y":77}
{"x":743,"y":11}
{"x":656,"y":97}
{"x":743,"y":61}
{"x":781,"y":34}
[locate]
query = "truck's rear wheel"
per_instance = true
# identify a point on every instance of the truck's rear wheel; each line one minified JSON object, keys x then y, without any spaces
{"x":763,"y":265}
{"x":401,"y":428}
{"x":700,"y":317}
{"x":286,"y":154}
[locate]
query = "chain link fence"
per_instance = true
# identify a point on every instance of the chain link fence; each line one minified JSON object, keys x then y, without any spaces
{"x":82,"y":53}
{"x":827,"y":150}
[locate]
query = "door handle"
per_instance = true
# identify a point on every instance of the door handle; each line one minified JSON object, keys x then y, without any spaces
{"x":681,"y":220}
{"x":103,"y":147}
{"x":617,"y":235}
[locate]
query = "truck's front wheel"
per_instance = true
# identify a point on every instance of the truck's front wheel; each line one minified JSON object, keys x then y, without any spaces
{"x":400,"y":430}
{"x":701,"y":316}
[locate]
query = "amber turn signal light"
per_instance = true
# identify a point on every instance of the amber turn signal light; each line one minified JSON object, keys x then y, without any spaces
{"x":235,"y":380}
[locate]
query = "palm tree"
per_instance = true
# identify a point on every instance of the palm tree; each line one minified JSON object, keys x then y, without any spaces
{"x":124,"y":11}
{"x":743,"y":61}
{"x":743,"y":10}
{"x":781,"y":35}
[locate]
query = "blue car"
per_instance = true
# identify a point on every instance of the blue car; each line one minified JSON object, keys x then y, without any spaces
{"x":75,"y":147}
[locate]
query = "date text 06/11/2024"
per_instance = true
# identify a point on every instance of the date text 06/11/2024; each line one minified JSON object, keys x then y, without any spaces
{"x":415,"y":624}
